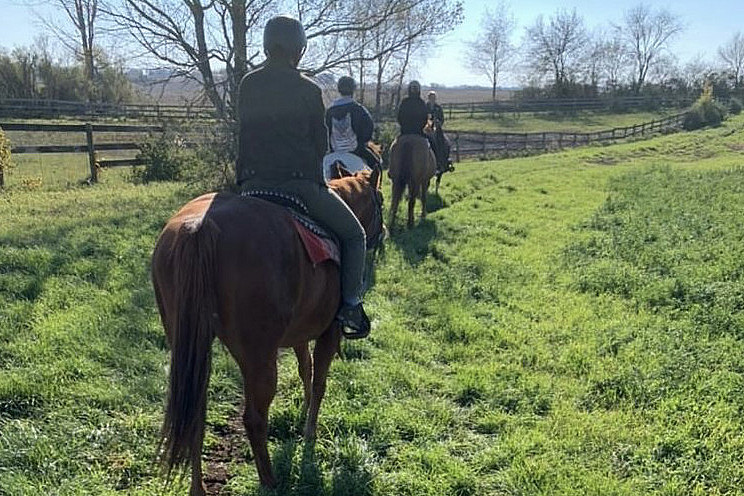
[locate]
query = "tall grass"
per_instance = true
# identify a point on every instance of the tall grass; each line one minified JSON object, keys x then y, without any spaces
{"x":566,"y":324}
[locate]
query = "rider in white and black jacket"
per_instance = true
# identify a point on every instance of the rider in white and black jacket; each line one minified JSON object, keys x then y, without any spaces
{"x":349,"y":124}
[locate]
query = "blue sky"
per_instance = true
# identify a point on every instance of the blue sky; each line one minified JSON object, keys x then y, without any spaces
{"x":708,"y":25}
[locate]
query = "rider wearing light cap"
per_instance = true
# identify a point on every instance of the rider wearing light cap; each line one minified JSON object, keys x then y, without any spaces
{"x":281,"y":145}
{"x":350,"y":126}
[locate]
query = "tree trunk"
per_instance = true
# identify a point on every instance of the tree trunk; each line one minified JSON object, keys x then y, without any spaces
{"x":378,"y":90}
{"x":239,"y":29}
{"x":203,"y":60}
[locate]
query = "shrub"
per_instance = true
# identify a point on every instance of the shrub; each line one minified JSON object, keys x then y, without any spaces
{"x":694,"y":119}
{"x":385,"y":134}
{"x":705,"y":111}
{"x":165,"y":158}
{"x":5,"y":162}
{"x":735,"y":106}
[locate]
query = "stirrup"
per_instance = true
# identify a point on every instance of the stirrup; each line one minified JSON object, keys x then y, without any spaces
{"x":350,"y":327}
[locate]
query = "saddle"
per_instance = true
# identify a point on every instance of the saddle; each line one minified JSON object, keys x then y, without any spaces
{"x":320,"y":244}
{"x":349,"y":162}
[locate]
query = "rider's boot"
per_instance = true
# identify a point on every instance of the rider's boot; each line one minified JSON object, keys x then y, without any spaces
{"x":354,"y":322}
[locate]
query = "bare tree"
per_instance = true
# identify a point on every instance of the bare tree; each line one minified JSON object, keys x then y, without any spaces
{"x":732,"y":54}
{"x":556,"y":46}
{"x":646,"y":35}
{"x":614,"y":62}
{"x":82,"y":16}
{"x":195,"y":36}
{"x":489,"y":53}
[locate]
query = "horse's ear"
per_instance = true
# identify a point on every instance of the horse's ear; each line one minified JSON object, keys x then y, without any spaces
{"x":342,"y":172}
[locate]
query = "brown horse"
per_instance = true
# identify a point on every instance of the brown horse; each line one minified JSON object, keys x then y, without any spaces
{"x":235,"y":268}
{"x":412,"y":165}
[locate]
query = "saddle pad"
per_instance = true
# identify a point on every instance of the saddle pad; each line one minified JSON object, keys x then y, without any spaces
{"x":320,"y":245}
{"x":319,"y":249}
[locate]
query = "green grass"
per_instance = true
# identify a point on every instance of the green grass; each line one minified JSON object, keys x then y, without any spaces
{"x":59,"y":171}
{"x":579,"y":122}
{"x":563,"y":324}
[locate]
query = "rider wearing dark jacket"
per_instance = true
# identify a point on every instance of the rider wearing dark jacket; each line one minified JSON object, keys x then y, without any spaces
{"x":412,"y":113}
{"x":434,"y":109}
{"x":281,"y":145}
{"x":359,"y":133}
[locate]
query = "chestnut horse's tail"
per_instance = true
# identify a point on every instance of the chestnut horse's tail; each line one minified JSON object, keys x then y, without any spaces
{"x":195,"y":325}
{"x":406,"y":169}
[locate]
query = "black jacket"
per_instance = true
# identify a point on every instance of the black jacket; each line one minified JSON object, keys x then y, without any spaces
{"x":436,"y":111}
{"x":361,"y":122}
{"x":282,"y":129}
{"x":412,"y":115}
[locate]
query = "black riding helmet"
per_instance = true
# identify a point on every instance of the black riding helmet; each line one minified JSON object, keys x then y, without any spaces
{"x":414,"y":88}
{"x":346,"y":86}
{"x":284,"y":35}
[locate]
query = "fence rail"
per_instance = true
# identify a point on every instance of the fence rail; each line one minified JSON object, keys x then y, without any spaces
{"x":24,"y":108}
{"x":467,"y":143}
{"x":517,"y":105}
{"x":90,"y":147}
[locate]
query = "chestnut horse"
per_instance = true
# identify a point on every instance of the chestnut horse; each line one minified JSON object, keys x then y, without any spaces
{"x":235,"y":268}
{"x":412,"y":165}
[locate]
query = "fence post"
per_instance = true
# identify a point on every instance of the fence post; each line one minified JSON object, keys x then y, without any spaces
{"x":484,"y":143}
{"x":544,"y":144}
{"x":560,"y":141}
{"x":457,"y":146}
{"x":91,"y":153}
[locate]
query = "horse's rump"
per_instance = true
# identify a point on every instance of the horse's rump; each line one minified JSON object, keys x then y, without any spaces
{"x":422,"y":164}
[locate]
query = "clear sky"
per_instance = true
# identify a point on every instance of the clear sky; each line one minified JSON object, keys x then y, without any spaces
{"x":708,"y":25}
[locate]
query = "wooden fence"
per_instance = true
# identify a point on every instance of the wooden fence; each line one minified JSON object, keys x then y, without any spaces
{"x":90,"y":147}
{"x":467,"y":143}
{"x":50,"y":109}
{"x":26,"y":108}
{"x":517,"y":105}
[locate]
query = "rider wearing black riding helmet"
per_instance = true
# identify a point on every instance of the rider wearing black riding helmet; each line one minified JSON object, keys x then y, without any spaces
{"x":350,"y":126}
{"x":281,"y":145}
{"x":412,"y":113}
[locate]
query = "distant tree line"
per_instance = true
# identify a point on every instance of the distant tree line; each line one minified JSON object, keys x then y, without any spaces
{"x":559,"y":56}
{"x":34,"y":73}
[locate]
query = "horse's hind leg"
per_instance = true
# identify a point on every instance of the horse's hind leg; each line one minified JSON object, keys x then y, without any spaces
{"x":197,"y":483}
{"x":305,"y":368}
{"x":397,"y":194}
{"x":260,"y":386}
{"x":439,"y":180}
{"x":424,"y":190}
{"x":412,"y":194}
{"x":325,"y":348}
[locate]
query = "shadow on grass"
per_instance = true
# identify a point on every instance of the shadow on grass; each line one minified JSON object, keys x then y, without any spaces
{"x":414,"y":242}
{"x":304,"y":477}
{"x":434,"y":202}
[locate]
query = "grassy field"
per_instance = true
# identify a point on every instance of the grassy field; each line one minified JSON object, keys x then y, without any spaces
{"x":564,"y":324}
{"x":547,"y":122}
